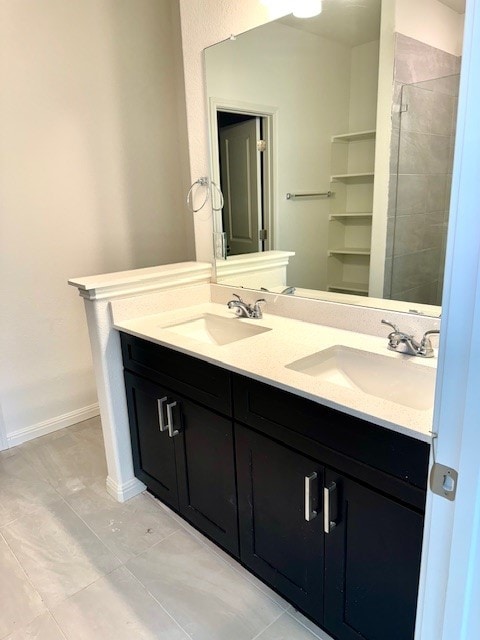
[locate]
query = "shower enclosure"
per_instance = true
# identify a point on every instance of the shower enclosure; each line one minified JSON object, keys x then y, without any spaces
{"x":421,"y":170}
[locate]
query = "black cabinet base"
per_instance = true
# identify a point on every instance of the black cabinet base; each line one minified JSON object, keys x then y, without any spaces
{"x":325,"y":509}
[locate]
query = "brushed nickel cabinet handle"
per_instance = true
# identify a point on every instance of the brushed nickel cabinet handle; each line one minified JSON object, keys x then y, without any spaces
{"x":328,"y":523}
{"x":310,"y":513}
{"x":161,"y":422}
{"x":172,"y":432}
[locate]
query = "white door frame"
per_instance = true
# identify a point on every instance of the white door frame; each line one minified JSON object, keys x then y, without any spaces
{"x":269,"y":114}
{"x":450,"y":581}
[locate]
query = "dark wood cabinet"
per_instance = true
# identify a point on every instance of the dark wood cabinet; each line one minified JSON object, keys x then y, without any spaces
{"x":152,"y":449}
{"x":330,"y":507}
{"x":205,"y":460}
{"x":182,"y":450}
{"x":372,"y":563}
{"x":280,"y":516}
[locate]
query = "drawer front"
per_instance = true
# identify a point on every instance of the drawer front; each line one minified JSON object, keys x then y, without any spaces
{"x":274,"y":411}
{"x":194,"y":378}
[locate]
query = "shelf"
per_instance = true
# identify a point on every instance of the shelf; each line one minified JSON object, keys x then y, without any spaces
{"x":355,"y":136}
{"x":349,"y":287}
{"x":349,"y":216}
{"x":353,"y":177}
{"x":349,"y":251}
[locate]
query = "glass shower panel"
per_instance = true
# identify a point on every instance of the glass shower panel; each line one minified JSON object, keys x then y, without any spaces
{"x":426,"y":139}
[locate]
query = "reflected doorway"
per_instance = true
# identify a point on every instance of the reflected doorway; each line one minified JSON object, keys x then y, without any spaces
{"x":243,"y":164}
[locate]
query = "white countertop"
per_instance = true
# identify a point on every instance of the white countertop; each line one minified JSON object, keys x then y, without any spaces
{"x":264,"y":357}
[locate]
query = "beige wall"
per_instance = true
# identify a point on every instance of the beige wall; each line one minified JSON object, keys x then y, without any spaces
{"x":364,"y":86}
{"x":93,"y":171}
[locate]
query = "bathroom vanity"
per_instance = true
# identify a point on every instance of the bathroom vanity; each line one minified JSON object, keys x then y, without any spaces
{"x":298,"y":442}
{"x":325,"y":507}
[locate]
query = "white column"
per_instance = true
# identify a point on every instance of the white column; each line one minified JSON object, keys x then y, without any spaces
{"x":108,"y":366}
{"x":98,"y":291}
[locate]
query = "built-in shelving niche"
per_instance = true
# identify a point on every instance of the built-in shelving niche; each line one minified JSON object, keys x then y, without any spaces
{"x":350,"y":219}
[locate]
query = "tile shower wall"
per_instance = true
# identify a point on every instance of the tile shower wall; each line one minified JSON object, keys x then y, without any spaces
{"x":426,"y":83}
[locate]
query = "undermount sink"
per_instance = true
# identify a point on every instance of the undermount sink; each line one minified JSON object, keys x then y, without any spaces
{"x":400,"y":381}
{"x":212,"y":329}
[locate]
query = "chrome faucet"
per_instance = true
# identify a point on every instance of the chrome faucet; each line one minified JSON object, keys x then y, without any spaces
{"x":288,"y":291}
{"x":405,"y":343}
{"x":244,"y":310}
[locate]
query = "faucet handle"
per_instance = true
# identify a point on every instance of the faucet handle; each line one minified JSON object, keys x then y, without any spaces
{"x":257,"y":311}
{"x":426,"y":340}
{"x":426,"y":348}
{"x":235,"y":295}
{"x":390,"y":324}
{"x":429,"y":333}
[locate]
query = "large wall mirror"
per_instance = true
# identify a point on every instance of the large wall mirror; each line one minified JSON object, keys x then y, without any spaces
{"x":293,"y":114}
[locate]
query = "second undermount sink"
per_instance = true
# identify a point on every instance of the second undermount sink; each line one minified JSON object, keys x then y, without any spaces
{"x":394,"y":379}
{"x":212,"y":329}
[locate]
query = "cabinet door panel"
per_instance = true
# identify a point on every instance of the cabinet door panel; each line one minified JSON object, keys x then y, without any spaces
{"x":276,"y":541}
{"x":153,"y":451}
{"x":206,"y":473}
{"x":372,"y":565}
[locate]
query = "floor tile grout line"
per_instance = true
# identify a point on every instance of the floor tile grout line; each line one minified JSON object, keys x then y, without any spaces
{"x":238,"y":570}
{"x":226,"y":566}
{"x":37,"y":470}
{"x":268,"y":626}
{"x":99,"y":577}
{"x":44,"y":479}
{"x":181,"y":525}
{"x":34,"y":510}
{"x":64,"y":635}
{"x":72,"y":595}
{"x":113,"y":552}
{"x":324,"y":633}
{"x":94,"y":533}
{"x":159,"y":603}
{"x":27,"y":577}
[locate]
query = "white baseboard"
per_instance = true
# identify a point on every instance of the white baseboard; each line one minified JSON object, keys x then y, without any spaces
{"x":124,"y":492}
{"x":54,"y":424}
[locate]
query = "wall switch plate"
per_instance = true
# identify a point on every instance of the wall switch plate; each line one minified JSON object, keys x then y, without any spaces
{"x":443,"y":481}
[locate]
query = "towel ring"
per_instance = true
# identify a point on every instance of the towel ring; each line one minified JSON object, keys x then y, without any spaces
{"x":219,"y":191}
{"x":201,"y":182}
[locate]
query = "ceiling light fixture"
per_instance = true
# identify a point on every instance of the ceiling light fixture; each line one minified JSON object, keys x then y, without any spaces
{"x":299,"y":8}
{"x":307,"y":8}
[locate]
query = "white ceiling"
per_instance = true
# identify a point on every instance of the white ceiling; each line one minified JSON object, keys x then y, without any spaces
{"x":456,"y":5}
{"x":352,"y":22}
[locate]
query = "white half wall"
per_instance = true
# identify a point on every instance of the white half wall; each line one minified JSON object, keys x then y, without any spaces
{"x":93,"y":172}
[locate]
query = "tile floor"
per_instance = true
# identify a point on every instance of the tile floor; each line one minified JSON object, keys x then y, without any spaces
{"x":77,"y":565}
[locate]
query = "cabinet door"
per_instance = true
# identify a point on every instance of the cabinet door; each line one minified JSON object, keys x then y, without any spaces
{"x":372,"y":564}
{"x":206,"y":472}
{"x":152,"y":449}
{"x":276,"y":540}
